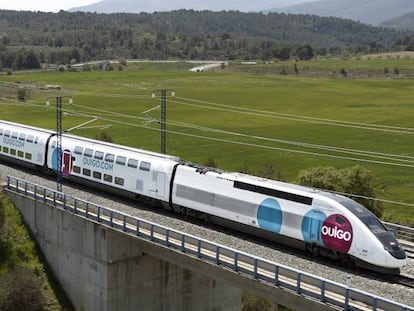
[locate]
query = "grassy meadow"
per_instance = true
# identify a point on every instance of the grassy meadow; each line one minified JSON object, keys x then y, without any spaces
{"x":239,"y":118}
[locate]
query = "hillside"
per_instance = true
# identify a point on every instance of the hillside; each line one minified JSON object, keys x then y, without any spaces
{"x":31,"y":38}
{"x":372,"y":12}
{"x":405,"y":22}
{"x":137,"y":6}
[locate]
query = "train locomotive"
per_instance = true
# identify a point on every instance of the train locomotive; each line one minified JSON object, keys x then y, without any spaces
{"x":321,"y":222}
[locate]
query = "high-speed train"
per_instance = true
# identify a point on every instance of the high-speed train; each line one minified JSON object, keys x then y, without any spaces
{"x":323,"y":223}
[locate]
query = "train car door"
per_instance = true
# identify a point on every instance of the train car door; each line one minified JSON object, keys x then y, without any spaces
{"x":66,"y":163}
{"x":311,"y":226}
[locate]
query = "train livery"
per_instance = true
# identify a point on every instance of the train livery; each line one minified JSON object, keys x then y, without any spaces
{"x":321,"y":222}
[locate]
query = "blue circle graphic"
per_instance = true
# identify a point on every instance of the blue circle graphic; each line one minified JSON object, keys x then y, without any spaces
{"x":311,"y":226}
{"x":270,"y":216}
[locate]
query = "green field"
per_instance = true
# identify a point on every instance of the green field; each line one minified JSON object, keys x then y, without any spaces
{"x":252,"y":110}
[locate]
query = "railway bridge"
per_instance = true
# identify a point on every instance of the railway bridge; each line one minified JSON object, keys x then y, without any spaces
{"x":107,"y":260}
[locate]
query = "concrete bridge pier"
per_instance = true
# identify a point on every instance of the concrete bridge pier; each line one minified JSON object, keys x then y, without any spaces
{"x":102,"y":269}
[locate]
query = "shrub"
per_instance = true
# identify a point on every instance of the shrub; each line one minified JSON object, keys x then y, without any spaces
{"x":211,"y":163}
{"x":20,"y":289}
{"x":2,"y":215}
{"x":353,"y":180}
{"x":104,"y":136}
{"x":21,"y":94}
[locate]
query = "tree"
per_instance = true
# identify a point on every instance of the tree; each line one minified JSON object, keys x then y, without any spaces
{"x":357,"y":180}
{"x":305,"y":52}
{"x":27,"y":60}
{"x":353,"y":180}
{"x":327,"y":178}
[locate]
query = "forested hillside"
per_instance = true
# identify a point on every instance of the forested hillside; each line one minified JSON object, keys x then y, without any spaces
{"x":28,"y":39}
{"x":372,"y":12}
{"x":405,"y":22}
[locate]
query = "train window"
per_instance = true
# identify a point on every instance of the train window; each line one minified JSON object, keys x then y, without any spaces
{"x":30,"y":138}
{"x":5,"y":150}
{"x":13,"y":152}
{"x":120,"y":160}
{"x":78,"y":150}
{"x":14,"y":135}
{"x":97,"y":175}
{"x":99,"y":155}
{"x":110,"y":157}
{"x":372,"y":222}
{"x":1,"y":132}
{"x":273,"y":192}
{"x":28,"y":156}
{"x":108,"y":178}
{"x":119,"y":181}
{"x":20,"y":154}
{"x":36,"y":140}
{"x":86,"y":172}
{"x":76,"y":169}
{"x":145,"y":166}
{"x":54,"y":145}
{"x":88,"y":152}
{"x":133,"y":163}
{"x":7,"y":133}
{"x":22,"y":137}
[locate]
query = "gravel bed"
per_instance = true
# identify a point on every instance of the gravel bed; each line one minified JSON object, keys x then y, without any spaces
{"x":279,"y":254}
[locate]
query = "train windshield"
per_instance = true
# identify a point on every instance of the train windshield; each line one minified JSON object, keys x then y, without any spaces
{"x":373,"y":224}
{"x":366,"y":216}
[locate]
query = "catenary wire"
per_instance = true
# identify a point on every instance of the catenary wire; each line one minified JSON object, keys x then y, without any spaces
{"x":240,"y":143}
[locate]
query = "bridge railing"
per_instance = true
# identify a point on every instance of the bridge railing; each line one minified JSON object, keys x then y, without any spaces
{"x":402,"y":232}
{"x":274,"y":274}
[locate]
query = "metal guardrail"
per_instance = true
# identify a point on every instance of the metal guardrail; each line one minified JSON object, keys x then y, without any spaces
{"x":402,"y":232}
{"x":271,"y":273}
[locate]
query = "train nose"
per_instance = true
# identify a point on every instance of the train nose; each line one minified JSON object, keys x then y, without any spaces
{"x":395,"y":249}
{"x":396,"y":252}
{"x":392,"y":246}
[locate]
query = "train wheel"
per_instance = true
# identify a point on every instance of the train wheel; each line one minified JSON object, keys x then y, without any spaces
{"x":313,"y":249}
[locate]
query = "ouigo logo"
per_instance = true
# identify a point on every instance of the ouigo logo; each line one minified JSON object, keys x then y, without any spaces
{"x":336,"y":232}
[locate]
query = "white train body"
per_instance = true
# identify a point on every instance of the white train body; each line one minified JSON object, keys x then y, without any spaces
{"x":316,"y":220}
{"x":23,"y":143}
{"x":137,"y":171}
{"x":314,"y":217}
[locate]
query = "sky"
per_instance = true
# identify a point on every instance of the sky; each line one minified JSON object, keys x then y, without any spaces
{"x":43,"y":5}
{"x":57,"y":5}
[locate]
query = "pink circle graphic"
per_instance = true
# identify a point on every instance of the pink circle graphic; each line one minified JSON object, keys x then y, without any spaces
{"x":337,"y":233}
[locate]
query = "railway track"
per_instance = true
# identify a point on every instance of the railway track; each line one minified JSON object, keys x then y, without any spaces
{"x":266,"y":271}
{"x":391,"y":289}
{"x":409,"y":248}
{"x":406,"y":280}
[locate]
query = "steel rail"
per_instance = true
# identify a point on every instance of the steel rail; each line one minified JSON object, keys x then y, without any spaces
{"x":274,"y":274}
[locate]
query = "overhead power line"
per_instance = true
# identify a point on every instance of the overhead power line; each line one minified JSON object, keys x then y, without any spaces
{"x":105,"y":115}
{"x":378,"y":157}
{"x":293,"y":117}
